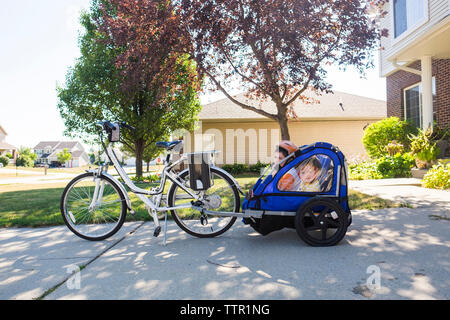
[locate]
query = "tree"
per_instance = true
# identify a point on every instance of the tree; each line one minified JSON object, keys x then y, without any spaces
{"x":4,"y":160}
{"x":150,"y":154}
{"x":63,"y":156}
{"x":277,"y":49}
{"x":26,"y":157}
{"x":154,"y":92}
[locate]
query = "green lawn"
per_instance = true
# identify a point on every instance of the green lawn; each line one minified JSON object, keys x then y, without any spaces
{"x":40,"y":207}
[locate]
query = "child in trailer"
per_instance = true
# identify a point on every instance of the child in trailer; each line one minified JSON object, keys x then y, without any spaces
{"x":271,"y":223}
{"x":302,"y":178}
{"x":308,"y":174}
{"x":282,"y":150}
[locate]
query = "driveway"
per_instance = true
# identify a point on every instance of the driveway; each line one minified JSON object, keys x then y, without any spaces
{"x":404,"y":190}
{"x":404,"y":252}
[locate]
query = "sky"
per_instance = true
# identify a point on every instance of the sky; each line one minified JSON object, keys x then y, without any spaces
{"x":39,"y":42}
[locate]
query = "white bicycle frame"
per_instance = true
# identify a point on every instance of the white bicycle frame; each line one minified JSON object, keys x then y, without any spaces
{"x":143,"y":194}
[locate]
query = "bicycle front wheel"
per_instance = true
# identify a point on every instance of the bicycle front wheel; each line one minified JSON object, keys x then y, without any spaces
{"x":93,"y":208}
{"x":222,"y":196}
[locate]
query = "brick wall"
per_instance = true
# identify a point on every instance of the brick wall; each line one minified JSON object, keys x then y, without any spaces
{"x":396,"y":82}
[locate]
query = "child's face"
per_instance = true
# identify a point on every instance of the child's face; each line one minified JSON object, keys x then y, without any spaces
{"x":308,"y":173}
{"x":277,"y":157}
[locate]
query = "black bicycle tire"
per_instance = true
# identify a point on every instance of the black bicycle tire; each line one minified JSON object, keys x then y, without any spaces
{"x":199,"y":235}
{"x":122,"y":216}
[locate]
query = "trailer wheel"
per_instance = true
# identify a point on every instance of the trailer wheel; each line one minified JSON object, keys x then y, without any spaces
{"x":321,"y":222}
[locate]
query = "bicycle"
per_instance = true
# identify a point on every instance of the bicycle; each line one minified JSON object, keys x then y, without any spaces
{"x":203,"y":199}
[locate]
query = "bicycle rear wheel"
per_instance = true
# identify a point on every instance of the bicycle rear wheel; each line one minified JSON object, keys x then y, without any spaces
{"x":222,"y":196}
{"x":89,"y":218}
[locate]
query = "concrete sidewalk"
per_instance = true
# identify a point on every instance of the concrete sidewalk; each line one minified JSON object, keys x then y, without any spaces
{"x":404,"y":190}
{"x":35,"y":260}
{"x":410,"y":249}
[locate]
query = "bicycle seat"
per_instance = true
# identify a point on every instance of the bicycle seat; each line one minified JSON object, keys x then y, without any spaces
{"x":168,"y":145}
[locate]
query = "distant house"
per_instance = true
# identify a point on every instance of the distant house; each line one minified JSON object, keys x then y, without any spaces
{"x":415,"y":60}
{"x":6,"y":147}
{"x":47,"y":151}
{"x":243,"y":136}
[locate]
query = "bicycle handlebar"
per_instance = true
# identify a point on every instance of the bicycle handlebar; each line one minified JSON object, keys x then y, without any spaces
{"x":124,"y":125}
{"x":109,"y":126}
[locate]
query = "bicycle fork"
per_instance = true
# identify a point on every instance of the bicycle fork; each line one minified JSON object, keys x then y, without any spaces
{"x":98,"y":194}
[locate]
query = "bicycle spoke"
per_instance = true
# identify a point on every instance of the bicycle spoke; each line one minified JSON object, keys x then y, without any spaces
{"x":103,"y":217}
{"x":223,"y":199}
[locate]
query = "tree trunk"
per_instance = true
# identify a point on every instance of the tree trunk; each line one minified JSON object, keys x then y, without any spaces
{"x":283,"y":122}
{"x":139,"y":154}
{"x":148,"y":166}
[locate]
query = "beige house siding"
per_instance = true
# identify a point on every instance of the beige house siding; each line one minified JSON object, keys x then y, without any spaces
{"x":250,"y":141}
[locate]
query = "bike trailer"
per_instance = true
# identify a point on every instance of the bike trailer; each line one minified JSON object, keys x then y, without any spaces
{"x":307,"y":191}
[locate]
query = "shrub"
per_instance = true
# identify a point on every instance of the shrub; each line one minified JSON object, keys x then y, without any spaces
{"x":363,"y":171}
{"x":4,"y":161}
{"x":394,"y":147}
{"x":24,"y":161}
{"x":146,"y":179}
{"x":398,"y":166}
{"x":9,"y":155}
{"x":26,"y":157}
{"x":424,"y":149}
{"x":379,"y":134}
{"x":257,"y":167}
{"x":440,"y":133}
{"x":438,"y":177}
{"x":236,"y":168}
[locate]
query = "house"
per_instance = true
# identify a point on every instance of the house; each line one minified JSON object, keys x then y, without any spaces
{"x":243,"y":136}
{"x":5,"y":147}
{"x":415,"y":60}
{"x":47,"y":151}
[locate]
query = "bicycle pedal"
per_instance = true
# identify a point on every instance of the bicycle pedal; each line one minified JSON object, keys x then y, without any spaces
{"x":157,"y":231}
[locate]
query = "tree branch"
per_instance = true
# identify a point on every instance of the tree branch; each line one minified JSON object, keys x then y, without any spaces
{"x":299,"y":92}
{"x":242,"y":105}
{"x":244,"y":76}
{"x":128,"y":145}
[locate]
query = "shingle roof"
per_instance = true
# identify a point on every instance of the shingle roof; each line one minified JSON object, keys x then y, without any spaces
{"x":45,"y":144}
{"x":1,"y":128}
{"x":56,"y":144}
{"x":67,"y":144}
{"x":77,"y":154}
{"x":353,"y":107}
{"x":7,"y":146}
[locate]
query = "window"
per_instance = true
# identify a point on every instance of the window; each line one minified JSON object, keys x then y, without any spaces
{"x":413,"y":103}
{"x":408,"y":14}
{"x":314,"y":174}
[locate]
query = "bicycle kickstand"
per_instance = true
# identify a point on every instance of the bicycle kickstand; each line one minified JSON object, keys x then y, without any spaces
{"x":165,"y":228}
